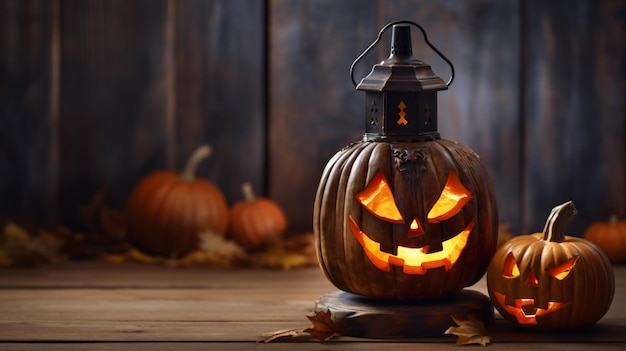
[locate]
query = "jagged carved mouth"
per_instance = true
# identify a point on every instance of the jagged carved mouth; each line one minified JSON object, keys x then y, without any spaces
{"x":524,"y":309}
{"x":413,"y":260}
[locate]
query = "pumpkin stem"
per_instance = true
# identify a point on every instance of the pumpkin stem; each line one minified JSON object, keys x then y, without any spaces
{"x":247,"y":191}
{"x":559,"y":218}
{"x":189,"y":172}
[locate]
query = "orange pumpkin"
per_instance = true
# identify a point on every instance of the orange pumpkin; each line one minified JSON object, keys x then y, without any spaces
{"x":166,"y":211}
{"x":256,"y":220}
{"x":551,"y":281}
{"x":610,"y":236}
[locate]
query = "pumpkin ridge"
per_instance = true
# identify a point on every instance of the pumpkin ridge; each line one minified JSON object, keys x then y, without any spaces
{"x":329,"y":222}
{"x":354,"y":174}
{"x":328,"y":190}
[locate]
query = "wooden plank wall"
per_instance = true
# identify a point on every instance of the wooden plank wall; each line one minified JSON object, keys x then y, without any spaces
{"x":98,"y":93}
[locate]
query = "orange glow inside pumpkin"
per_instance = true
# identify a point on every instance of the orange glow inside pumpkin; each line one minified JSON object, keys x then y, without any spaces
{"x":413,"y":260}
{"x":453,"y":197}
{"x":379,"y":200}
{"x":524,"y":309}
{"x":510,"y":267}
{"x":561,"y":271}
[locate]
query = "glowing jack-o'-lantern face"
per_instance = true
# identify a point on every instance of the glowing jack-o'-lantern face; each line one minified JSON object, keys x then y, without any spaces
{"x":405,"y":220}
{"x":524,"y":309}
{"x":378,"y":199}
{"x":550,"y":281}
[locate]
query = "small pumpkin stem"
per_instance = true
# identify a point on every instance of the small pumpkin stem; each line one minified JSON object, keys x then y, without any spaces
{"x":559,"y":218}
{"x":247,"y":191}
{"x":189,"y":172}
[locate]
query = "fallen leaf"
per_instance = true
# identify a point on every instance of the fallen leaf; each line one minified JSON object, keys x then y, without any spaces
{"x":271,"y":336}
{"x":211,"y":242}
{"x":323,"y":326}
{"x":287,"y":253}
{"x":471,"y":331}
{"x":19,"y":248}
{"x":323,"y":329}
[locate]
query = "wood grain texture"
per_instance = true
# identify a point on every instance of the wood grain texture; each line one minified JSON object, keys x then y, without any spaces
{"x":576,"y":119}
{"x":221,"y":89}
{"x":314,"y":109}
{"x":354,"y":315}
{"x":368,"y":345}
{"x":28,"y":110}
{"x":96,"y":304}
{"x":114,"y":98}
{"x":99,"y":93}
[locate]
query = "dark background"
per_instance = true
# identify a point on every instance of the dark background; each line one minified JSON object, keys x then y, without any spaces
{"x":98,"y":93}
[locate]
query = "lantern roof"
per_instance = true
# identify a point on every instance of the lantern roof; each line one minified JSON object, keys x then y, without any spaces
{"x":401,"y":71}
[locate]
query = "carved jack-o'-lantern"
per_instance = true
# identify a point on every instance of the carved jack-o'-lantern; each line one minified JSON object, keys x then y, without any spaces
{"x":404,"y":214}
{"x":550,"y":281}
{"x":378,"y":199}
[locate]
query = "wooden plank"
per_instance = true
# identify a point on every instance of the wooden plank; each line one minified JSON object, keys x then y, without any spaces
{"x":76,"y":274}
{"x":156,"y":305}
{"x":314,"y":109}
{"x":248,"y":331}
{"x":29,"y":68}
{"x":289,"y":346}
{"x":234,"y":305}
{"x":220,"y":90}
{"x":575,"y":126}
{"x":115,"y":89}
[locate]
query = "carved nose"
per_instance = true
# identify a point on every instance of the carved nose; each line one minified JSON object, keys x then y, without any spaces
{"x":531,"y":279}
{"x":416,"y":228}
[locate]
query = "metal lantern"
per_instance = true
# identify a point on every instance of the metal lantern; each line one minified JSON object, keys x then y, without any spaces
{"x":401,"y":92}
{"x":404,"y":216}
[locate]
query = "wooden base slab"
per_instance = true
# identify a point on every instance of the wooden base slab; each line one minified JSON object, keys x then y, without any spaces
{"x":364,"y":317}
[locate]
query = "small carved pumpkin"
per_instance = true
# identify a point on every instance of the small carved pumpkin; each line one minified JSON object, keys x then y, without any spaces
{"x":166,"y":211}
{"x":610,"y":236}
{"x":550,"y":281}
{"x":405,"y":220}
{"x":256,"y":220}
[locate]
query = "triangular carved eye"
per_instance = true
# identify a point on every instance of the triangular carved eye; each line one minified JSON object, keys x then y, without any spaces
{"x":452,"y":199}
{"x":378,"y":199}
{"x":510,"y":267}
{"x":561,"y":271}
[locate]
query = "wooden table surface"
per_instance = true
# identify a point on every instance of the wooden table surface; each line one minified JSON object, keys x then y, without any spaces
{"x":96,"y":305}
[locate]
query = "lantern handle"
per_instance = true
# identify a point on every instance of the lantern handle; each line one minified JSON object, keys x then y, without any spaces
{"x":380,"y":34}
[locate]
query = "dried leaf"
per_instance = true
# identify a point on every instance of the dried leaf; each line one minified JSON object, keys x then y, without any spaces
{"x":323,"y":329}
{"x":471,"y":331}
{"x":281,"y":259}
{"x":323,"y":326}
{"x":286,"y":254}
{"x":271,"y":336}
{"x":212,"y":242}
{"x":20,"y":248}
